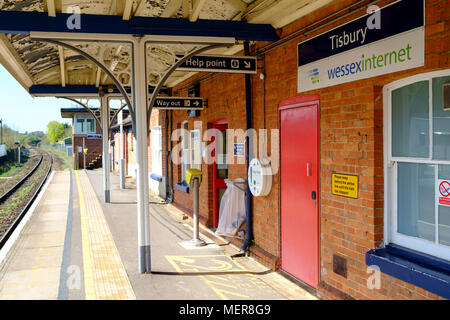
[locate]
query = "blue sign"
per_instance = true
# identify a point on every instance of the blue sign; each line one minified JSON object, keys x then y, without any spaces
{"x":239,"y":149}
{"x":94,"y":136}
{"x":395,"y":18}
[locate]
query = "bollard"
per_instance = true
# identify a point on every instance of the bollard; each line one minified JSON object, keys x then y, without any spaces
{"x":196,"y":241}
{"x":193,"y":177}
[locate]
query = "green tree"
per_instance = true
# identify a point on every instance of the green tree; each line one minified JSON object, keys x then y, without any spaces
{"x":55,"y":131}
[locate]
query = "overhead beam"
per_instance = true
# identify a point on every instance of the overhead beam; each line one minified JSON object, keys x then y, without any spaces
{"x":196,"y":8}
{"x":127,"y":10}
{"x":51,"y":9}
{"x":50,"y":90}
{"x":238,"y":4}
{"x":25,"y":22}
{"x":139,"y":7}
{"x":172,"y":8}
{"x":185,"y":8}
{"x":12,"y":62}
{"x":62,"y":66}
{"x":97,"y":77}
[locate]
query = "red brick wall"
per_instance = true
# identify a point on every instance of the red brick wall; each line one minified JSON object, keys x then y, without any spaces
{"x":351,"y":130}
{"x":94,"y":149}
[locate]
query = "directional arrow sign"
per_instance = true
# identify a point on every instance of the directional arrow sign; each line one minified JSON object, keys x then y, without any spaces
{"x":178,"y":103}
{"x":227,"y":64}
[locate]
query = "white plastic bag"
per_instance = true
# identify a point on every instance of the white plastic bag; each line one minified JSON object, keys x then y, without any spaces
{"x":232,"y":211}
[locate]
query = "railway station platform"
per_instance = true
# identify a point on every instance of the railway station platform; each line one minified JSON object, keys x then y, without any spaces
{"x":73,"y":246}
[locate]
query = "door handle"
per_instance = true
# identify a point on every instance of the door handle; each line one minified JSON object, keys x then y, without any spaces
{"x":313,"y":195}
{"x":307,"y":169}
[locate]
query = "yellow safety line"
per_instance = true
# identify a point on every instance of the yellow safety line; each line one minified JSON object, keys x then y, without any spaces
{"x":89,"y":287}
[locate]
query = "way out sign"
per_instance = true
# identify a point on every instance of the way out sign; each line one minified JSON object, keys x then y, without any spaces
{"x":176,"y":103}
{"x":443,"y":192}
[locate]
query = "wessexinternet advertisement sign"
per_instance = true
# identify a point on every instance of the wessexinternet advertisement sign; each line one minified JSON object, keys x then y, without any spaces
{"x":384,"y":41}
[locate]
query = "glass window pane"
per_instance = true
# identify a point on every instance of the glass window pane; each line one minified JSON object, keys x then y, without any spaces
{"x":444,"y":172}
{"x":441,"y":122}
{"x":416,"y":200}
{"x":80,"y":125}
{"x":444,"y":225}
{"x":410,"y":121}
{"x":90,"y":125}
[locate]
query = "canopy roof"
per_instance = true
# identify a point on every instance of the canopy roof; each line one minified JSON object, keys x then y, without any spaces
{"x":42,"y":66}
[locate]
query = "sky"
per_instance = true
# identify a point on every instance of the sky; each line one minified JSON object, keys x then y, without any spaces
{"x":22,"y":112}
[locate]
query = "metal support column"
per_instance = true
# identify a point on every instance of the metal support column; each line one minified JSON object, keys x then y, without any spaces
{"x":121,"y":147}
{"x":105,"y":146}
{"x":140,"y":108}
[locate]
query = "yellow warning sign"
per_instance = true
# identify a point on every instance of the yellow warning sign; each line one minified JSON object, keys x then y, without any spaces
{"x":344,"y":185}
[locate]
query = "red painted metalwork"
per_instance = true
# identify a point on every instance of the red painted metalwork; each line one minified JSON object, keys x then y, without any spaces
{"x":218,"y":183}
{"x":299,"y":179}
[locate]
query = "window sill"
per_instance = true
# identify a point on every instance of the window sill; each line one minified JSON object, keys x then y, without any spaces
{"x":182,"y":186}
{"x":424,"y":271}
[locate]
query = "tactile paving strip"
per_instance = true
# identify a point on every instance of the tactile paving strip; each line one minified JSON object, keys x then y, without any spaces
{"x":104,"y":273}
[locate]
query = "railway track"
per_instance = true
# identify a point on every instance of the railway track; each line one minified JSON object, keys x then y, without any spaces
{"x":15,"y":202}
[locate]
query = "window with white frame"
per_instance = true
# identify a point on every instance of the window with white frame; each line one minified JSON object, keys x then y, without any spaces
{"x":417,"y":160}
{"x":156,"y":140}
{"x":84,"y":124}
{"x":184,"y":149}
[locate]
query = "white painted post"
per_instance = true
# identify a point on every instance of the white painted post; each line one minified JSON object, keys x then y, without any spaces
{"x":140,"y":109}
{"x":105,"y":145}
{"x":121,"y":152}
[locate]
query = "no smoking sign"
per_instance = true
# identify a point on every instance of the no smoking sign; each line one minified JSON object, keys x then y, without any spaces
{"x":444,"y":192}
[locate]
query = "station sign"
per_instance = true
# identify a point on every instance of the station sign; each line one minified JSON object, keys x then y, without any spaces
{"x":344,"y":185}
{"x":94,"y":136}
{"x":387,"y":40}
{"x":220,"y":63}
{"x":179,"y":103}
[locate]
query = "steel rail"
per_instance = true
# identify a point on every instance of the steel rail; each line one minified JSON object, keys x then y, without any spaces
{"x":20,"y":216}
{"x":8,"y":193}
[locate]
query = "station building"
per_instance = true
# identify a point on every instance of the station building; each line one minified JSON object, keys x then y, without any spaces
{"x":357,"y":137}
{"x":86,"y":135}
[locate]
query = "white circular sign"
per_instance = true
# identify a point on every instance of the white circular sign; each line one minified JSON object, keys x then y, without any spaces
{"x":259,"y":177}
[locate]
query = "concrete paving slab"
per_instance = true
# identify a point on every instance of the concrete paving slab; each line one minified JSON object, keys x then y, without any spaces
{"x":35,"y":283}
{"x":178,"y":273}
{"x":32,"y":268}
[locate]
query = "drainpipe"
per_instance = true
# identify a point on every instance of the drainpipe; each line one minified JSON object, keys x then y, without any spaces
{"x":248,"y":118}
{"x":169,"y":191}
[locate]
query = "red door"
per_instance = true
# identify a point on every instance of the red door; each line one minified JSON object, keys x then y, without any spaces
{"x":220,"y":167}
{"x":299,"y":188}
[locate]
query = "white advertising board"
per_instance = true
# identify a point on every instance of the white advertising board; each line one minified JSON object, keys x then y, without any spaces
{"x":400,"y":52}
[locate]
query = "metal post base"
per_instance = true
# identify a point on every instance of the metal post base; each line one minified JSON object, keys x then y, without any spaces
{"x":107,"y":196}
{"x":194,"y":243}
